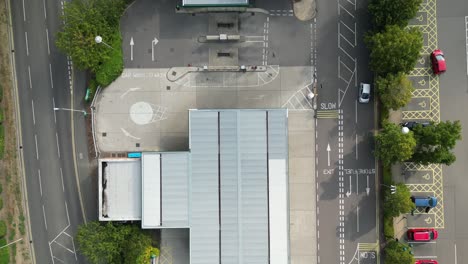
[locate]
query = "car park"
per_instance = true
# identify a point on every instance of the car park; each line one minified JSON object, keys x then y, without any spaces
{"x":426,"y":261}
{"x":412,"y":124}
{"x":438,"y":62}
{"x":364,"y":93}
{"x":422,"y":234}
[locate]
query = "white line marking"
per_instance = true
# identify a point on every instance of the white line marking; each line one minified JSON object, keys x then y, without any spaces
{"x":66,"y":209}
{"x":33,"y":114}
{"x":456,"y":259}
{"x":50,"y":73}
{"x":45,"y":220}
{"x":29,"y":74}
{"x":48,"y":44}
{"x":357,"y":222}
{"x":357,"y":183}
{"x":355,"y":106}
{"x":58,"y":147}
{"x":466,"y":40}
{"x":24,"y":12}
{"x":27,"y":45}
{"x":356,"y":146}
{"x":37,"y":152}
{"x":55,"y":116}
{"x":61,"y":176}
{"x":40,"y":180}
{"x":45,"y":12}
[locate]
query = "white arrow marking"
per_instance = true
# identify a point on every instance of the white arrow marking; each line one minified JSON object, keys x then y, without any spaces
{"x":153,"y":43}
{"x":328,"y":150}
{"x":131,"y":48}
{"x":348,"y":193}
{"x":367,"y":188}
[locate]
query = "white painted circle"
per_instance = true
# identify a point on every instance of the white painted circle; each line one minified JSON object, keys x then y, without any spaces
{"x":141,"y":113}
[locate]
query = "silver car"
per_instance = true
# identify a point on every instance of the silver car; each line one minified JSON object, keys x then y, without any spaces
{"x":364,"y":93}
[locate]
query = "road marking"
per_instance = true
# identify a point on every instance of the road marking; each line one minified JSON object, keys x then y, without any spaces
{"x":45,"y":220}
{"x":328,"y":154}
{"x":48,"y":45}
{"x":50,"y":74}
{"x":357,"y":182}
{"x":327,"y":114}
{"x":33,"y":114}
{"x":131,"y":48}
{"x":61,"y":176}
{"x":58,"y":148}
{"x":29,"y":74}
{"x":66,"y":209}
{"x":153,"y":43}
{"x":456,"y":259}
{"x":27,"y":45}
{"x":24,"y":12}
{"x":355,"y":107}
{"x":37,"y":152}
{"x":53,"y":104}
{"x":40,"y":180}
{"x":466,"y":40}
{"x":357,"y":214}
{"x":356,"y":146}
{"x":45,"y":11}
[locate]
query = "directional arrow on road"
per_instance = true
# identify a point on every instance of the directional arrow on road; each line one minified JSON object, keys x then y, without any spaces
{"x":153,"y":43}
{"x":367,"y":187}
{"x":328,"y":150}
{"x":131,"y":48}
{"x":348,"y":193}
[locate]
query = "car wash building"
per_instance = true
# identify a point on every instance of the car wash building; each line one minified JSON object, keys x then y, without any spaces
{"x":227,"y":196}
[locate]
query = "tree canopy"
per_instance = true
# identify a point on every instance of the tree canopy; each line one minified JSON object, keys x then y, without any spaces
{"x":396,"y":252}
{"x":399,"y":202}
{"x":395,"y":90}
{"x":394,"y":50}
{"x":436,"y":142}
{"x":392,"y":145}
{"x":392,"y":12}
{"x":84,"y":20}
{"x":114,"y":243}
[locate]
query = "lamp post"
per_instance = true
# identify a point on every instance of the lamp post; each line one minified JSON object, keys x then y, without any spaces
{"x":98,"y":40}
{"x":72,"y":110}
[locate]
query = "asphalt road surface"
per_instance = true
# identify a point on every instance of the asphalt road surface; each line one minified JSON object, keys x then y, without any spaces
{"x":44,"y":79}
{"x":346,"y":207}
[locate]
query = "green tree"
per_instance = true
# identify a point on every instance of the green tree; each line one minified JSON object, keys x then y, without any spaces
{"x":392,"y":12}
{"x":392,"y":145}
{"x":395,"y":90}
{"x":435,"y":143}
{"x":394,"y":50}
{"x":135,"y":246}
{"x":84,"y":20}
{"x":396,"y":252}
{"x":103,"y":243}
{"x":148,"y":253}
{"x":398,"y":202}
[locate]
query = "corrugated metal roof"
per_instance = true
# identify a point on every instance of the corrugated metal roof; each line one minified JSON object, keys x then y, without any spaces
{"x":151,"y":190}
{"x":215,"y":2}
{"x":175,"y":189}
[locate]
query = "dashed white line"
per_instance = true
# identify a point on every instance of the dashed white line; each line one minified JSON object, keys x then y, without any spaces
{"x":58,"y":147}
{"x":61,"y":176}
{"x":53,"y":104}
{"x":45,"y":220}
{"x":33,"y":114}
{"x":357,"y":214}
{"x":24,"y":12}
{"x":29,"y":74}
{"x":356,"y":146}
{"x":48,"y":45}
{"x":37,"y":151}
{"x":50,"y":74}
{"x":456,"y":259}
{"x":45,"y":11}
{"x":27,"y":45}
{"x":68,"y":216}
{"x":40,"y":180}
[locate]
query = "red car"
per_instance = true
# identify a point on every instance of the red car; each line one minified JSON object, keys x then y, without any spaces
{"x":426,"y":261}
{"x":422,"y":234}
{"x":438,"y":62}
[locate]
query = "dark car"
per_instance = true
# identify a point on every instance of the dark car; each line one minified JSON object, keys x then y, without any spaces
{"x":438,"y":62}
{"x":412,"y":124}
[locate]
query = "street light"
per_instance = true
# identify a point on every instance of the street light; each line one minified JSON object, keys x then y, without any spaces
{"x":98,"y":40}
{"x":72,"y":110}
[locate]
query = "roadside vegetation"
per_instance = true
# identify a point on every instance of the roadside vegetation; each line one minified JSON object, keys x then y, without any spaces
{"x":12,"y":220}
{"x":115,"y":243}
{"x":84,"y":20}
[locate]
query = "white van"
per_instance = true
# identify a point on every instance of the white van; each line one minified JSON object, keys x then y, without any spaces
{"x":364,"y":93}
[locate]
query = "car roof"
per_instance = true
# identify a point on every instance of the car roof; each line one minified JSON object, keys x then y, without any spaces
{"x":422,"y":235}
{"x":365,"y":87}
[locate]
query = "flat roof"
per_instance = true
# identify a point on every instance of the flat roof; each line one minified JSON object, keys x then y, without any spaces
{"x":151,"y":190}
{"x":215,"y":3}
{"x":120,"y":189}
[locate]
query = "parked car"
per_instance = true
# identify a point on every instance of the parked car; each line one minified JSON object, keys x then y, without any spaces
{"x":364,"y":93}
{"x":427,"y":202}
{"x":438,"y":62}
{"x":426,"y":261}
{"x":422,"y":234}
{"x":412,"y":124}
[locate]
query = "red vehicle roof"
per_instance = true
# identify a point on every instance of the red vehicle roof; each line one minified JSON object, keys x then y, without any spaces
{"x":422,"y":234}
